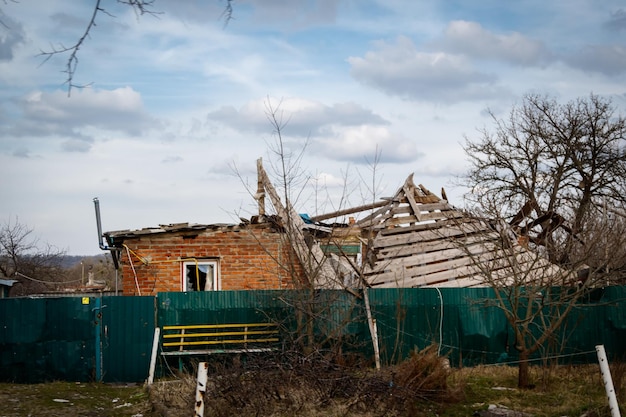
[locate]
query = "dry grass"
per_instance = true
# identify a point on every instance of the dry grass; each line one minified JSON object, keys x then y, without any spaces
{"x":563,"y":391}
{"x":315,"y":385}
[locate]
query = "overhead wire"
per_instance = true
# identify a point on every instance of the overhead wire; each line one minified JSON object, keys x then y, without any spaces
{"x":45,"y":282}
{"x":133,"y":268}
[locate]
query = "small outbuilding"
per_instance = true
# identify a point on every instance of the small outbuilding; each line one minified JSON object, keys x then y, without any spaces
{"x":5,"y":286}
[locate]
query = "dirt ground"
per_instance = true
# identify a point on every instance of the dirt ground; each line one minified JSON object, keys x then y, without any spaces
{"x":73,"y":399}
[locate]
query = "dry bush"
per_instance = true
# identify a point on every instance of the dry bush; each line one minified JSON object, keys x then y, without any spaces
{"x":422,"y":384}
{"x":425,"y":374}
{"x":297,"y":384}
{"x":172,"y":398}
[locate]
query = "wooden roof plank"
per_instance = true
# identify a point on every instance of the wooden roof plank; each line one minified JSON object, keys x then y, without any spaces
{"x":429,"y":246}
{"x":382,"y":241}
{"x":430,"y":257}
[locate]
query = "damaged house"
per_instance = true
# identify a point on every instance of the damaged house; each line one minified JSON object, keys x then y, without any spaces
{"x":412,"y":239}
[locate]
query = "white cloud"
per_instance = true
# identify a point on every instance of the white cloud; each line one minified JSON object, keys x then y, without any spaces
{"x":54,"y":114}
{"x":606,"y":59}
{"x":400,"y":69}
{"x":11,"y":35}
{"x":297,"y":116}
{"x":471,"y":39}
{"x":617,"y":21}
{"x":289,"y":15}
{"x":364,"y":144}
{"x":327,"y":180}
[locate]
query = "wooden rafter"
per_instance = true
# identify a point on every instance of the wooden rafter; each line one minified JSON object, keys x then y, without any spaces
{"x":319,"y":272}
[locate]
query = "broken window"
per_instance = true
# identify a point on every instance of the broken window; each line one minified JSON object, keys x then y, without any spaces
{"x":200,"y":276}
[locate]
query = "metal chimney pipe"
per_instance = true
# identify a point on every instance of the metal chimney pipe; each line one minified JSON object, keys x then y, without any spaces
{"x":114,"y":250}
{"x":96,"y":204}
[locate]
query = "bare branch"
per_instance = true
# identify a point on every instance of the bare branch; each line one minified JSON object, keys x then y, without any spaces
{"x":141,"y":7}
{"x":227,"y":14}
{"x":72,"y":61}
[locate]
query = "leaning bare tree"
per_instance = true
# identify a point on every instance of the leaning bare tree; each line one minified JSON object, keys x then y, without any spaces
{"x":544,"y":181}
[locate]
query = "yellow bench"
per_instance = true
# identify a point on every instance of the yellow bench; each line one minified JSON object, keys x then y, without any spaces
{"x":206,"y":339}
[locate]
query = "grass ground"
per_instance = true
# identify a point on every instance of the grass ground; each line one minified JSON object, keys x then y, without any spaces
{"x":560,"y":391}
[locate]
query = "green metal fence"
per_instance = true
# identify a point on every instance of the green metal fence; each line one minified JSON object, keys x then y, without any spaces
{"x":75,"y":338}
{"x":110,"y":338}
{"x":46,"y":339}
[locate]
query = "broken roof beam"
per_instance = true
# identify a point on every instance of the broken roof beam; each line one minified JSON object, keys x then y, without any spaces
{"x":350,"y":210}
{"x":260,"y":189}
{"x":319,"y":272}
{"x":409,"y":191}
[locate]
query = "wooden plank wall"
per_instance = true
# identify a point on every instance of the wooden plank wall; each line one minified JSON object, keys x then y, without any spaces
{"x":423,"y":241}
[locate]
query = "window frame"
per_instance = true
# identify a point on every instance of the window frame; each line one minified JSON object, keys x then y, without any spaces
{"x":217,"y":286}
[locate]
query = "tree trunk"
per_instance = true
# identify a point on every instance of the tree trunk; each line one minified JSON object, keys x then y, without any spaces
{"x":523,"y":375}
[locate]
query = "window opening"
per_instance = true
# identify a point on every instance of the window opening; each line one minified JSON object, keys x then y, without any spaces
{"x":200,"y":276}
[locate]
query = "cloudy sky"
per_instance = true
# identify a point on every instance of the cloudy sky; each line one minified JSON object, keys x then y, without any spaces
{"x":177,"y":102}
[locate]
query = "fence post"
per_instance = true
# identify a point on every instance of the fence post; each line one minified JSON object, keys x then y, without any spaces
{"x":201,"y":388}
{"x":155,"y":348}
{"x":373,"y":328}
{"x":608,"y":381}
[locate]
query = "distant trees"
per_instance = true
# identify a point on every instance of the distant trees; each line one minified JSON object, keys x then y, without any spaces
{"x":36,"y":267}
{"x":40,"y":268}
{"x":96,"y":270}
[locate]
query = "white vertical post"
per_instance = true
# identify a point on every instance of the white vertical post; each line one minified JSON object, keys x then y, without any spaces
{"x":155,"y":348}
{"x":201,"y":388}
{"x":373,"y":329}
{"x":608,"y":381}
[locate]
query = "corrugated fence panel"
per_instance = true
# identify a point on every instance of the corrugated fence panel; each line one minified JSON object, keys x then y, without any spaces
{"x":46,"y":339}
{"x":217,"y":307}
{"x":406,"y":320}
{"x":127,"y":333}
{"x":453,"y":319}
{"x":608,"y":322}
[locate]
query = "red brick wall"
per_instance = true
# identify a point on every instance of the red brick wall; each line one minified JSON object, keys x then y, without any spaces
{"x":250,"y":258}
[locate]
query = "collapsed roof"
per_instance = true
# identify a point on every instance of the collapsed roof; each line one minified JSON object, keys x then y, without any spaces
{"x":416,"y":239}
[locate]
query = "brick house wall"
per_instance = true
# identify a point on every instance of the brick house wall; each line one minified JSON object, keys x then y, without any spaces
{"x":249,"y":257}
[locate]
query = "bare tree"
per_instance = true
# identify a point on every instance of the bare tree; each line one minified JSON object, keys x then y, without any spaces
{"x":320,"y":325}
{"x":536,"y":296}
{"x":545,"y":180}
{"x":36,"y":268}
{"x":550,"y":169}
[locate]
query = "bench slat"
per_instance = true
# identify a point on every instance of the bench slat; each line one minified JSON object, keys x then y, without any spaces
{"x":186,"y":335}
{"x":217,"y":326}
{"x":219,"y":342}
{"x":214,"y":351}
